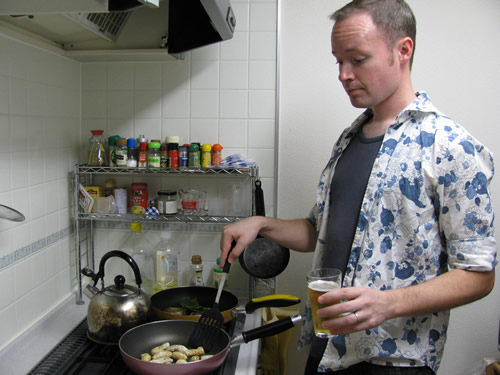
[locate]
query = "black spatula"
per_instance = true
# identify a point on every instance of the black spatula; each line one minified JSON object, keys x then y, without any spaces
{"x":211,"y":321}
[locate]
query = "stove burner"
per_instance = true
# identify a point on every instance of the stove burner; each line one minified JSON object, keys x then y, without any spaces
{"x":78,"y":355}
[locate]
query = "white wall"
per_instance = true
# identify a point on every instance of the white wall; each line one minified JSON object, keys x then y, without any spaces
{"x":39,"y":141}
{"x":457,"y":60}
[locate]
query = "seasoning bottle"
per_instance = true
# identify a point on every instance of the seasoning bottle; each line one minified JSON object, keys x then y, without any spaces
{"x":164,"y":155}
{"x":112,"y":150}
{"x":131,"y":158}
{"x":197,"y":271}
{"x":194,"y":160}
{"x":217,"y":275}
{"x":143,"y":155}
{"x":173,"y":155}
{"x":97,"y":154}
{"x":216,"y":154}
{"x":183,"y":156}
{"x":167,"y":202}
{"x":206,"y":159}
{"x":121,"y":153}
{"x":154,"y":155}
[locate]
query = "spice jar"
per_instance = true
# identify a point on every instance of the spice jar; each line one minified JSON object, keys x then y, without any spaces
{"x":121,"y":153}
{"x":197,"y":271}
{"x":167,"y":202}
{"x":206,"y":160}
{"x":97,"y":154}
{"x":154,"y":155}
{"x":216,"y":154}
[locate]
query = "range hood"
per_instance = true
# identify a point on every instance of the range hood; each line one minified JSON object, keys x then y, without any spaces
{"x":107,"y":30}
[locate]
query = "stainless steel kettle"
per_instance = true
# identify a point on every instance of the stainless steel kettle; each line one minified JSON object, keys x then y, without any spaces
{"x":115,"y":309}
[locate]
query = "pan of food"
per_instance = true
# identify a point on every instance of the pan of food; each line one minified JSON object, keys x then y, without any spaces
{"x":159,"y":348}
{"x":189,"y":302}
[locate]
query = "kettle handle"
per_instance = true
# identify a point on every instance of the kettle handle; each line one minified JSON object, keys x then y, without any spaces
{"x":127,"y":258}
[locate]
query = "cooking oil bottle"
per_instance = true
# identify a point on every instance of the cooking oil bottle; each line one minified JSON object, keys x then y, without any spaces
{"x":167,"y":264}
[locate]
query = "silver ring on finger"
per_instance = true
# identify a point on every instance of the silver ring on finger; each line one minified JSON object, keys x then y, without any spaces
{"x":356,"y":316}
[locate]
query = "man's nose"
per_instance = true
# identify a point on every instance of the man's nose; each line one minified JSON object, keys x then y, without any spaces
{"x":345,"y":73}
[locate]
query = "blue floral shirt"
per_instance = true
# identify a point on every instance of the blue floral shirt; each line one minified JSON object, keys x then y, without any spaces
{"x":427,"y":209}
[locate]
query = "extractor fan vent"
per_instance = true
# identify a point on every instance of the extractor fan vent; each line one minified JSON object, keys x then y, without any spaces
{"x":108,"y":25}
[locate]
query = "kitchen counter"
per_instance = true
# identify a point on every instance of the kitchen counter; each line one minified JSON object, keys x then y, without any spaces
{"x":26,"y":351}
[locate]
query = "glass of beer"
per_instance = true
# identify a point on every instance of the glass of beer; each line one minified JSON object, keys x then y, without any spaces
{"x":320,"y":281}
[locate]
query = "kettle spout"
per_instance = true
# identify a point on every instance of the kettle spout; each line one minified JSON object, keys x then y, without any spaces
{"x":90,"y":291}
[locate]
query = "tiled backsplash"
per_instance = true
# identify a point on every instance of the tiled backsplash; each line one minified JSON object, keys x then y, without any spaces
{"x":224,"y":93}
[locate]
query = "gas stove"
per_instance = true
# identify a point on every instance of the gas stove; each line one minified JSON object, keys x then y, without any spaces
{"x":76,"y":354}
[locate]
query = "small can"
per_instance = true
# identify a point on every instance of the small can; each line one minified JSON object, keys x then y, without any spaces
{"x":183,"y":156}
{"x":139,"y":198}
{"x":216,"y":154}
{"x":194,"y":156}
{"x":173,"y":155}
{"x":167,"y":202}
{"x":206,"y":160}
{"x":143,"y":155}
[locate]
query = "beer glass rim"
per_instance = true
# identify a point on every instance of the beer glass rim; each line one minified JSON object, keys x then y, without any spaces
{"x":318,"y":273}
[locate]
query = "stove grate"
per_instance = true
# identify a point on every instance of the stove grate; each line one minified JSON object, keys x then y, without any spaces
{"x":63,"y":353}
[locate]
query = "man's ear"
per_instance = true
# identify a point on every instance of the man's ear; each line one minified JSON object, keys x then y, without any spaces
{"x":405,"y":49}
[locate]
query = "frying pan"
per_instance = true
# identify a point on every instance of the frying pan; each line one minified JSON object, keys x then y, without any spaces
{"x":263,"y":258}
{"x":206,"y":296}
{"x":143,"y":338}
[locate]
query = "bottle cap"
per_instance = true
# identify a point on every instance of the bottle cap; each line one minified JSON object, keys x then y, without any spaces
{"x":121,"y":142}
{"x":194,"y":147}
{"x":172,"y":139}
{"x":154,"y":145}
{"x":135,"y":227}
{"x":172,"y":146}
{"x":206,"y":148}
{"x":131,"y":142}
{"x":217,"y":147}
{"x":97,"y":132}
{"x":112,"y":140}
{"x":143,"y":146}
{"x":196,"y":259}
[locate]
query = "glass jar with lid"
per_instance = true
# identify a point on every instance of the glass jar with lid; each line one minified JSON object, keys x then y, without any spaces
{"x":167,"y":202}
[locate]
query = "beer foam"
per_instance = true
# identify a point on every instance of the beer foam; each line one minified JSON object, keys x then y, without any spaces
{"x":323,"y":285}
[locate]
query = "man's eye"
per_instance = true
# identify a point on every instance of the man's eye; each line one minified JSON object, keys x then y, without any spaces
{"x":358,"y":61}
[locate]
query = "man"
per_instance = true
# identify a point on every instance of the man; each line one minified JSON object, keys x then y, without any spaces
{"x":403,"y":208}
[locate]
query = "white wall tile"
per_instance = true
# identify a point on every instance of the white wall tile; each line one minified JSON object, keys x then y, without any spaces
{"x":178,"y":127}
{"x":234,"y":75}
{"x":93,"y":104}
{"x":264,"y":159}
{"x":4,"y":94}
{"x":262,"y":46}
{"x":148,"y":76}
{"x":262,"y":75}
{"x":204,"y":131}
{"x":241,"y":12}
{"x":5,"y":131}
{"x":147,"y":104}
{"x":94,"y":76}
{"x":18,"y":97}
{"x":233,"y":133}
{"x":19,"y":163}
{"x":234,"y":104}
{"x":176,"y":104}
{"x":261,"y":104}
{"x":261,"y":133}
{"x":263,"y":17}
{"x":204,"y":104}
{"x":235,"y":48}
{"x":208,"y":52}
{"x":7,"y":280}
{"x":120,"y":76}
{"x":151,"y":128}
{"x":120,"y":104}
{"x":204,"y":74}
{"x":176,"y":75}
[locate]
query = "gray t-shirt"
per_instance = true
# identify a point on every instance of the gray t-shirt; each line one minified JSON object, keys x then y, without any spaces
{"x":346,"y":195}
